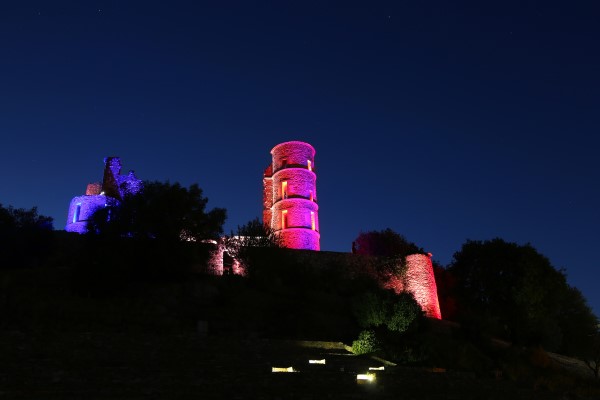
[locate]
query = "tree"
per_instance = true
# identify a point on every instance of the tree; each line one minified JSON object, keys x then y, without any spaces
{"x":162,"y":211}
{"x":251,"y":235}
{"x":386,"y":243}
{"x":512,"y":291}
{"x":385,"y":308}
{"x":592,"y":356}
{"x":245,"y":245}
{"x":25,"y":237}
{"x":366,"y":343}
{"x":13,"y":219}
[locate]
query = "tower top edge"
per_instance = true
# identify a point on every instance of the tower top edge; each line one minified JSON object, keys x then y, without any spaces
{"x":299,"y":142}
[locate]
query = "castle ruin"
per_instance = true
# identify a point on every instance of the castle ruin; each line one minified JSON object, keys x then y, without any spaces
{"x":290,"y":208}
{"x":109,"y":193}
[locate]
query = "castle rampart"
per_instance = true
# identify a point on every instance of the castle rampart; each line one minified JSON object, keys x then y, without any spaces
{"x":418,"y":279}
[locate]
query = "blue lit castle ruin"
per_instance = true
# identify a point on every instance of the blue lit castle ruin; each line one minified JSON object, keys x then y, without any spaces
{"x":110,"y":192}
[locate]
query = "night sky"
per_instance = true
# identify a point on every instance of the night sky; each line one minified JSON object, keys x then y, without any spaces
{"x":443,"y":121}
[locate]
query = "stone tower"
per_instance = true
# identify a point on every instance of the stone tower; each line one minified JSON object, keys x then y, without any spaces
{"x":290,"y":196}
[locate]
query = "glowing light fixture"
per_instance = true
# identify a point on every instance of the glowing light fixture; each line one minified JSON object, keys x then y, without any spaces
{"x":280,"y":369}
{"x":365,"y":378}
{"x":382,"y":368}
{"x":309,"y":164}
{"x":316,"y":361}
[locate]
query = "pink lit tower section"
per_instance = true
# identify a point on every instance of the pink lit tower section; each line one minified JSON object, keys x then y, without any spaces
{"x":290,"y":196}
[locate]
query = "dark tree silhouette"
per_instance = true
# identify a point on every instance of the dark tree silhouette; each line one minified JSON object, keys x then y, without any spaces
{"x":512,"y":291}
{"x":386,"y":243}
{"x":12,"y":219}
{"x":25,"y":237}
{"x":592,"y":356}
{"x":163,"y":211}
{"x":385,"y":308}
{"x":252,"y":235}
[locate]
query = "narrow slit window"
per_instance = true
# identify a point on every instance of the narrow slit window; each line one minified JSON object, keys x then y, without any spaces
{"x":312,"y":221}
{"x":311,"y":196}
{"x":284,"y":221}
{"x":284,"y":190}
{"x":309,"y":165}
{"x":77,"y":213}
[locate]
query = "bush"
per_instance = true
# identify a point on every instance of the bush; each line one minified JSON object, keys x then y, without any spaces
{"x":384,"y":307}
{"x":404,"y":312}
{"x":367,"y":342}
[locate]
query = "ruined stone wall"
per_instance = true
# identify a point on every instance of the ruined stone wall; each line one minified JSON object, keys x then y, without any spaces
{"x":93,"y":189}
{"x":114,"y":187}
{"x":215,"y":262}
{"x":82,"y":208}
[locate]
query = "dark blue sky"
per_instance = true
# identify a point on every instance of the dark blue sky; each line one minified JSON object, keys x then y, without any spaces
{"x":444,"y":122}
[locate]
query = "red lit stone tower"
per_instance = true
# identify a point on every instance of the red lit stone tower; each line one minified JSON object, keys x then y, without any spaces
{"x":290,"y":196}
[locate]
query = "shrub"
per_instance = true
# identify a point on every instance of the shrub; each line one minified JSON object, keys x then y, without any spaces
{"x":404,"y":312}
{"x":383,"y":307}
{"x":367,"y":342}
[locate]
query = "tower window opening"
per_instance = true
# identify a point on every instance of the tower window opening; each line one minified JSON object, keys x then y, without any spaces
{"x":311,"y":196}
{"x":312,"y":220}
{"x":284,"y":163}
{"x":309,"y":165}
{"x":284,"y":190}
{"x":284,"y":221}
{"x":77,"y":213}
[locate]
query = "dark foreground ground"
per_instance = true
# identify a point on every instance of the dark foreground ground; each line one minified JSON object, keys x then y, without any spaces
{"x":59,"y":365}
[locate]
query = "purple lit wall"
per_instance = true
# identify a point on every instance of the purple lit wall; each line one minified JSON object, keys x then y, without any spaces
{"x":217,"y":263}
{"x":113,"y":188}
{"x":83,"y":207}
{"x":290,"y":196}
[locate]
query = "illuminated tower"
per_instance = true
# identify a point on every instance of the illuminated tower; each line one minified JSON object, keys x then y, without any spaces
{"x":290,"y":196}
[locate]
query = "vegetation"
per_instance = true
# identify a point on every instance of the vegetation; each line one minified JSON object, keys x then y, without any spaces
{"x":13,"y":220}
{"x":119,"y":280}
{"x":366,"y":343}
{"x":252,"y":235}
{"x":512,"y":292}
{"x":25,"y":237}
{"x":385,"y":243}
{"x":591,"y":354}
{"x":163,"y":211}
{"x":384,"y":308}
